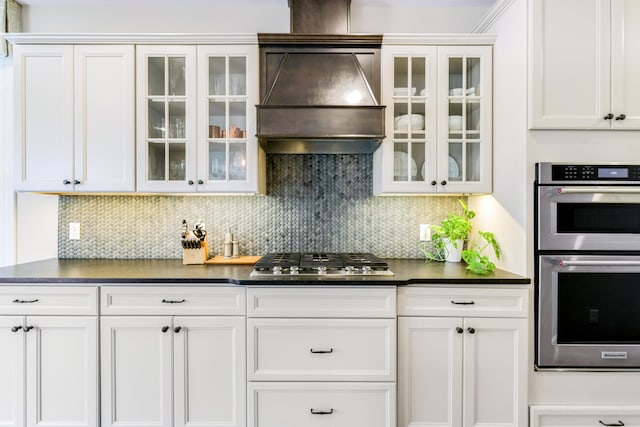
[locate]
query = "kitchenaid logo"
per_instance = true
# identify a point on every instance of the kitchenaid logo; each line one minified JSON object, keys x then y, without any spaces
{"x":613,"y":355}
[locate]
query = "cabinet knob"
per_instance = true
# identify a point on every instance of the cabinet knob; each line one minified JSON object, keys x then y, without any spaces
{"x":66,"y":182}
{"x":443,"y":182}
{"x":621,"y":117}
{"x":459,"y":330}
{"x":28,"y":328}
{"x":190,"y":182}
{"x":76,"y":182}
{"x":165,"y":328}
{"x":608,"y":116}
{"x":16,"y":328}
{"x":471,"y":330}
{"x":177,"y":329}
{"x":200,"y":182}
{"x":434,"y":182}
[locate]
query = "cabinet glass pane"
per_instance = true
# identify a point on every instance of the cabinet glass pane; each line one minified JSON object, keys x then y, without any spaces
{"x":217,"y":161}
{"x":177,"y":159}
{"x":177,"y":120}
{"x":217,"y":118}
{"x":156,"y":126}
{"x":418,"y":78}
{"x":473,"y":77}
{"x":400,"y":76}
{"x":472,"y":119}
{"x":456,"y":76}
{"x":156,"y":161}
{"x":418,"y":150}
{"x":401,"y":161}
{"x":217,"y":73}
{"x":177,"y":84}
{"x":473,"y":162}
{"x":237,"y":75}
{"x":155,"y":77}
{"x":237,"y":161}
{"x":455,"y":161}
{"x":237,"y":119}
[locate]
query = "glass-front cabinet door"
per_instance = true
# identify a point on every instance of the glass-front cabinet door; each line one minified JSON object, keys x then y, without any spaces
{"x":464,"y":137}
{"x":167,"y":140}
{"x":227,"y":89}
{"x":438,"y":125}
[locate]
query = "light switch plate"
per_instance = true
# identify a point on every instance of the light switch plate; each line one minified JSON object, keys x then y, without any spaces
{"x":425,"y":232}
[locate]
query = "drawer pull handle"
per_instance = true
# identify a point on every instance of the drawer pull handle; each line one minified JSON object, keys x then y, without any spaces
{"x":462,"y":302}
{"x":618,"y":424}
{"x":329,"y":412}
{"x":16,"y":328}
{"x":171,"y":301}
{"x":25,"y":301}
{"x":28,"y":328}
{"x":321,"y":351}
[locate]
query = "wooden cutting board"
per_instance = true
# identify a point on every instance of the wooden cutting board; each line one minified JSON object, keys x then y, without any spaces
{"x":241,"y":260}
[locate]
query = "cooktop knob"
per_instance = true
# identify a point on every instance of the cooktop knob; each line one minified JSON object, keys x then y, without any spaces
{"x":366,"y":269}
{"x":349,"y":269}
{"x":294,"y":269}
{"x":322,"y":269}
{"x":276,"y":269}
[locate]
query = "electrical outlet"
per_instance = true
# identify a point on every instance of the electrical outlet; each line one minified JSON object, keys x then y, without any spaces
{"x":74,"y":231}
{"x":425,"y":232}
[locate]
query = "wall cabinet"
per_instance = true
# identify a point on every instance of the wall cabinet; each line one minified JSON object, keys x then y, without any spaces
{"x":312,"y":360}
{"x":439,"y":116}
{"x":584,"y":416}
{"x":462,"y":357}
{"x":584,"y":70}
{"x":49,"y":361}
{"x":74,"y":118}
{"x":173,"y":370}
{"x":196,"y":113}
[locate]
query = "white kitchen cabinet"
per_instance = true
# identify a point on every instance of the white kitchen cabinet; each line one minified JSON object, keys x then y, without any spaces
{"x":584,"y":66}
{"x":439,"y":120}
{"x":584,"y":416}
{"x":458,"y":370}
{"x":48,"y":363}
{"x":321,"y":356}
{"x":74,"y":121}
{"x":165,"y":368}
{"x":196,"y":119}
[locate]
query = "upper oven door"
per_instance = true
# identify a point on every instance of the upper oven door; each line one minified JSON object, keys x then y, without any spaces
{"x":598,"y":218}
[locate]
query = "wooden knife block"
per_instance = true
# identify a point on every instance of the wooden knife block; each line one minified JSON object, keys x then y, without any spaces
{"x":196,"y":256}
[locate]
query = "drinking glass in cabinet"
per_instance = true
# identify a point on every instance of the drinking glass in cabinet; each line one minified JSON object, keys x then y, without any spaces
{"x":177,"y":86}
{"x":156,"y":121}
{"x":155,"y":75}
{"x":217,"y":73}
{"x":177,"y":120}
{"x":177,"y":169}
{"x":237,"y":161}
{"x":217,"y":161}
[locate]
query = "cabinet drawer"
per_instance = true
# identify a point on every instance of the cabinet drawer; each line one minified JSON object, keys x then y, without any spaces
{"x":476,"y":302}
{"x":321,"y":405}
{"x":585,"y":416}
{"x":321,"y":349}
{"x":322,"y":302}
{"x":133,"y":300}
{"x":49,"y":300}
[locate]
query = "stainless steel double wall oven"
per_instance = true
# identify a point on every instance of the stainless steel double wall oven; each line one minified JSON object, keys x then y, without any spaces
{"x":587,"y":241}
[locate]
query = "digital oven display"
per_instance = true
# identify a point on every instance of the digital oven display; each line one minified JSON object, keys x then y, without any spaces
{"x":613,"y":173}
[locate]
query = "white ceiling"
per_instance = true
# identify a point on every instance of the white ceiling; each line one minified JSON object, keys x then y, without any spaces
{"x":270,"y":3}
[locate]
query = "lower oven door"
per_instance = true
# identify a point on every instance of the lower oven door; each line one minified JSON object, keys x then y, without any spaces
{"x":588,"y":312}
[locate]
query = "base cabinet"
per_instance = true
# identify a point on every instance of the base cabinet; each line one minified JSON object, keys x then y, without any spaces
{"x":460,"y":370}
{"x":584,"y":416}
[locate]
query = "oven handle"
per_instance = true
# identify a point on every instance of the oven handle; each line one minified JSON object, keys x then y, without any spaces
{"x":598,"y":190}
{"x":569,"y":263}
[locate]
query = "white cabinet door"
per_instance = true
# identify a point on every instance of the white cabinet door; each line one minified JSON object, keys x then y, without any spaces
{"x":136,"y":366}
{"x":209,"y":369}
{"x":166,"y":94}
{"x":43,"y":126}
{"x":429,"y":372}
{"x":62,"y":371}
{"x":625,"y":64}
{"x":104,"y":118}
{"x":12,"y":345}
{"x":495,"y":372}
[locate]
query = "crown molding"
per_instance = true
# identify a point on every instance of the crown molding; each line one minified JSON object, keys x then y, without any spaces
{"x":131,"y":38}
{"x":492,"y":16}
{"x":438,"y":39}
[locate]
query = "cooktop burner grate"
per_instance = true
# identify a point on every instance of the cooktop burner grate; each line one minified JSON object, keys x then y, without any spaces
{"x":321,"y":263}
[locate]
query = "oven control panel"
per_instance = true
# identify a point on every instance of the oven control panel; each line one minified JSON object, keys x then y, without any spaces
{"x":610,"y":173}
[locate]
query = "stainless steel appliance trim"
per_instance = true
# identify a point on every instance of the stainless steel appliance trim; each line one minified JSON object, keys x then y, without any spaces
{"x":550,"y":354}
{"x":598,"y":190}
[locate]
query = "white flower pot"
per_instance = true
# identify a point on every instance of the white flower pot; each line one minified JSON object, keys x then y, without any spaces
{"x":453,"y":253}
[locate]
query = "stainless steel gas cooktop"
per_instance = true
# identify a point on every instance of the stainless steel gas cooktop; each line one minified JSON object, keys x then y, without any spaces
{"x":320,"y":263}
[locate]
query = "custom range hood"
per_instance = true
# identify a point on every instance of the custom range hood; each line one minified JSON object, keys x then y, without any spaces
{"x":319,"y":84}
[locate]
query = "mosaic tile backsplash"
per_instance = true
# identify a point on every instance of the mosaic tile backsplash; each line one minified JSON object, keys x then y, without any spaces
{"x":313,"y":203}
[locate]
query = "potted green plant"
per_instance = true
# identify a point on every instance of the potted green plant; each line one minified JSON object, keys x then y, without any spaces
{"x":449,"y":238}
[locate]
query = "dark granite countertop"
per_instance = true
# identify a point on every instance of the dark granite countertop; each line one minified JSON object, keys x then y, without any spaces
{"x":111,"y":271}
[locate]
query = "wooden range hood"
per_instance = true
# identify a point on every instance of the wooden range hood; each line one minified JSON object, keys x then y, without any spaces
{"x":320,"y":85}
